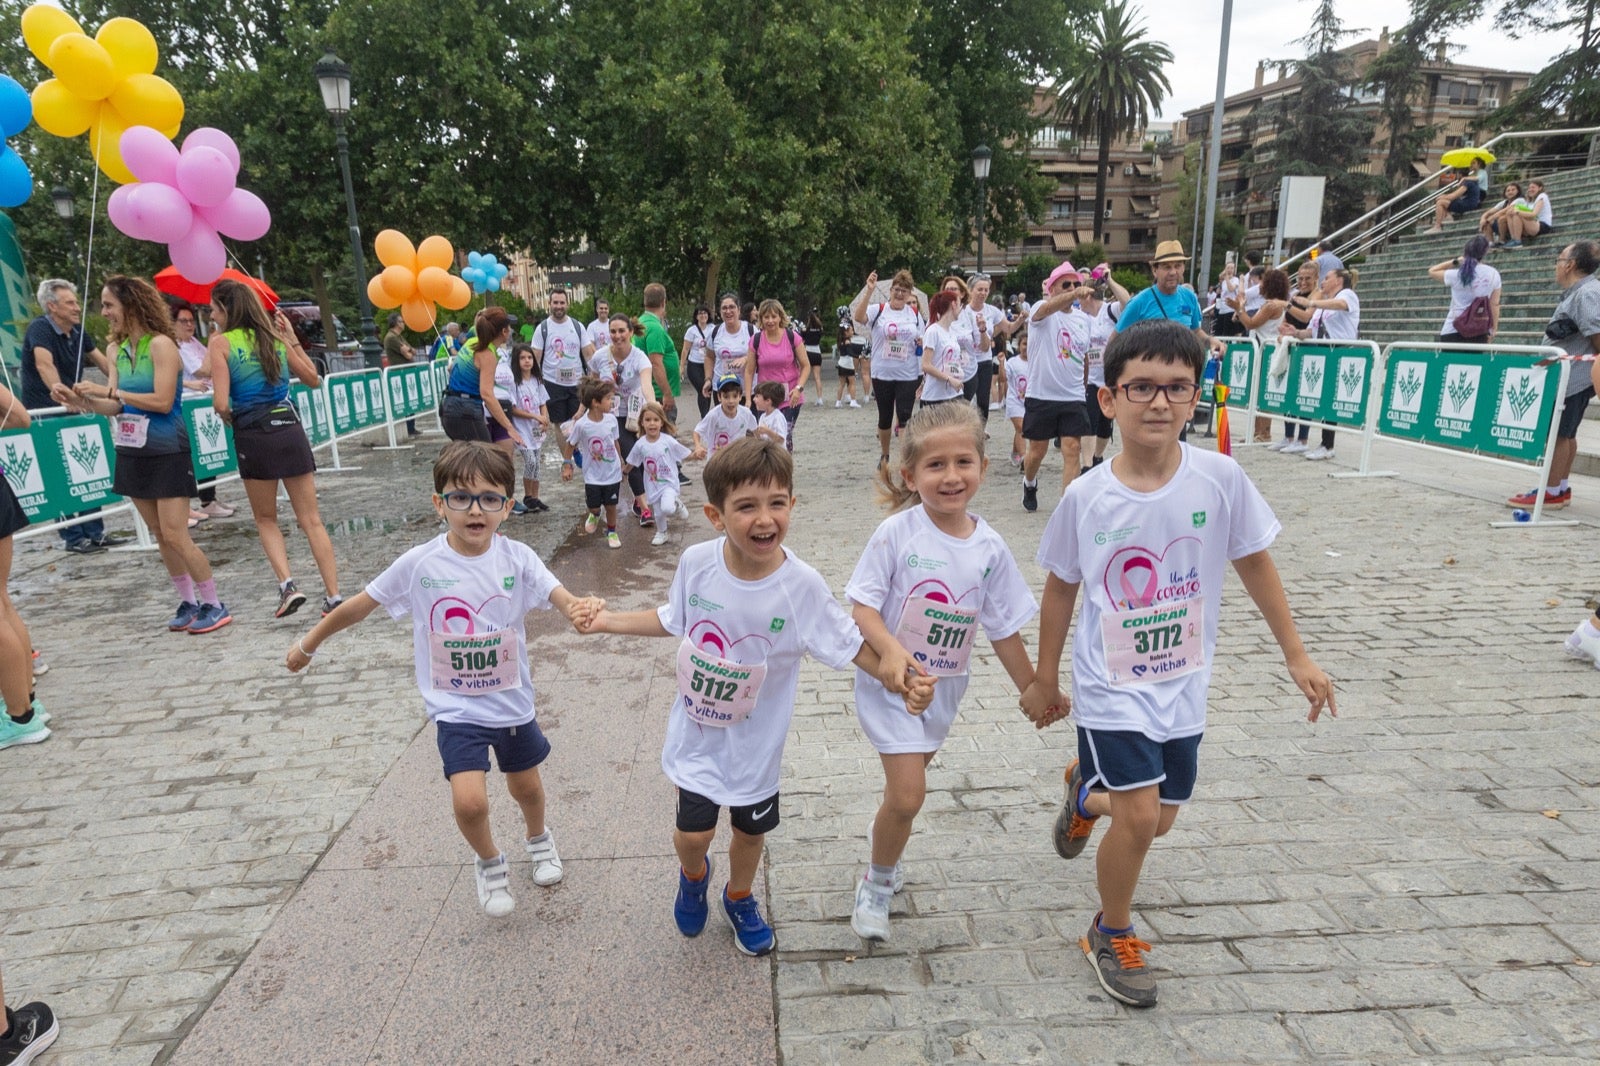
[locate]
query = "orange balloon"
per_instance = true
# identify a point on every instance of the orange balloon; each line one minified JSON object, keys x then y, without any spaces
{"x":418,"y":315}
{"x":394,"y":249}
{"x":435,"y":251}
{"x":435,"y":284}
{"x":460,"y":295}
{"x":378,"y":294}
{"x":400,"y":283}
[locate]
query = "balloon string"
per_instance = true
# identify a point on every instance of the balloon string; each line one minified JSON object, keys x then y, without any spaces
{"x":88,"y":256}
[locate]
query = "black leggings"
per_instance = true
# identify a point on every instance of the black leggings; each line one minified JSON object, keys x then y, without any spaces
{"x":697,"y":380}
{"x":979,"y":387}
{"x":626,"y":439}
{"x":895,"y":400}
{"x":1305,"y":432}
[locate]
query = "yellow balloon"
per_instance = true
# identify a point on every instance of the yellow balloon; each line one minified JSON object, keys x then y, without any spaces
{"x":378,"y":294}
{"x":83,"y":66}
{"x":146,"y":100}
{"x":394,"y":249}
{"x":460,"y":295}
{"x":400,"y":282}
{"x":131,"y":46}
{"x":435,"y":284}
{"x":41,"y":25}
{"x":105,"y":141}
{"x":435,"y":251}
{"x":59,"y":112}
{"x":418,"y":315}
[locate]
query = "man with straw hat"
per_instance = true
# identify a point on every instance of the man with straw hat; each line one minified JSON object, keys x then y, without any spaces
{"x":1168,"y":298}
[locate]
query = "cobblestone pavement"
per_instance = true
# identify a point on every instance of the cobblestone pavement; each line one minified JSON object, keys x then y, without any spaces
{"x":1413,"y":880}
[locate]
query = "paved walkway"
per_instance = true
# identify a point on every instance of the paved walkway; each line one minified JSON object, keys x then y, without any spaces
{"x":213,"y":861}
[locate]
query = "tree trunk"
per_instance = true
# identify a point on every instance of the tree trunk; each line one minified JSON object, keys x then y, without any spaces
{"x":713,"y":274}
{"x":804,"y":300}
{"x":1101,"y":164}
{"x":319,"y":287}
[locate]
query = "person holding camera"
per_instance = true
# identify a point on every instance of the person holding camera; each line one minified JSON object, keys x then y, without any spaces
{"x":1103,"y":315}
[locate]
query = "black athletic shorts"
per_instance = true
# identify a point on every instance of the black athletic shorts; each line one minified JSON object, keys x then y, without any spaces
{"x":697,"y":814}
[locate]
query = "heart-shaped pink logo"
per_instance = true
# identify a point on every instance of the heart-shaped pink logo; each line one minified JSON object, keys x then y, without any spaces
{"x":451,"y":614}
{"x":1133,"y":577}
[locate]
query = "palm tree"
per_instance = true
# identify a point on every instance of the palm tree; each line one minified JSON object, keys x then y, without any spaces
{"x":1115,"y":89}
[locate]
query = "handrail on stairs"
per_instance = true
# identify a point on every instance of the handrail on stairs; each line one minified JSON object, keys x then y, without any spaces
{"x":1491,"y":142}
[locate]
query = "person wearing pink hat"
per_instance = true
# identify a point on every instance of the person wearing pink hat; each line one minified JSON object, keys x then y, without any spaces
{"x":1055,"y":408}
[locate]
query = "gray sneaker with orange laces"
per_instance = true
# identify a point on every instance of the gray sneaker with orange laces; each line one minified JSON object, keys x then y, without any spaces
{"x":1118,"y":961}
{"x":1072,"y":829}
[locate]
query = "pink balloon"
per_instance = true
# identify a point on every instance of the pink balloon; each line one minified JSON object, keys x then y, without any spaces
{"x":205,"y":176}
{"x":198,"y":254}
{"x":150,"y":211}
{"x":207,"y":137}
{"x":242,"y":216}
{"x":149,"y":155}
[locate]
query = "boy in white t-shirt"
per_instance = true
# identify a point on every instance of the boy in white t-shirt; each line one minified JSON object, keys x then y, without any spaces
{"x":770,"y":423}
{"x":747,"y":611}
{"x":1148,"y":537}
{"x":725,"y":423}
{"x":594,"y":434}
{"x":468,"y":591}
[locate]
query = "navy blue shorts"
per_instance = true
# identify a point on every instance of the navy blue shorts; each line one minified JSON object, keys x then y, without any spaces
{"x":1122,"y":760}
{"x":464,"y":746}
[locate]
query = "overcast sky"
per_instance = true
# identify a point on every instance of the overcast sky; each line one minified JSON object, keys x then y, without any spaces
{"x":1193,"y":28}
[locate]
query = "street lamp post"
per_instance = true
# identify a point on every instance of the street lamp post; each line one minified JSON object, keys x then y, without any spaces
{"x":333,"y":79}
{"x":61,"y":197}
{"x":980,"y":170}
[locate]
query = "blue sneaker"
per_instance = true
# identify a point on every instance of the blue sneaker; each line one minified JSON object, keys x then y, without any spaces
{"x":14,"y":732}
{"x":212,"y":616}
{"x":187,"y":612}
{"x":689,"y":909}
{"x":751,"y":933}
{"x":518,"y":507}
{"x":577,"y":458}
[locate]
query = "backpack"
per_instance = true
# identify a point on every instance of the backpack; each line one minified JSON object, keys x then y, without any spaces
{"x":1475,"y":319}
{"x":583,"y":341}
{"x":915,"y":310}
{"x":796,"y":345}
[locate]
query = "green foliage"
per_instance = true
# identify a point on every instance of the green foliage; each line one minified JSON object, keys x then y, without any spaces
{"x":1134,"y":279}
{"x":1396,"y":75}
{"x":1028,"y":276}
{"x":1120,"y":83}
{"x":1089,"y":254}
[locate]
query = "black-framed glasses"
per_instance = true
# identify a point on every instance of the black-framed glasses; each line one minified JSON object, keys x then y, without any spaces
{"x":490,"y":502}
{"x":1176,"y":392}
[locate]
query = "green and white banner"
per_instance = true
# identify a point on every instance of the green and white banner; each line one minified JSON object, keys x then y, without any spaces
{"x":1475,"y":400}
{"x":60,"y":466}
{"x":1238,"y":363}
{"x":1327,"y":381}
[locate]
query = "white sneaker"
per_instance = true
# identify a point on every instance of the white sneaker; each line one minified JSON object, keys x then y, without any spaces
{"x":659,"y":539}
{"x":494,"y":886}
{"x":1319,"y":453}
{"x":1296,"y":448}
{"x":1280,"y":445}
{"x":870,"y":919}
{"x":1584,"y":647}
{"x":821,"y":402}
{"x":838,"y":403}
{"x":683,"y":509}
{"x":546,"y":863}
{"x":854,"y":404}
{"x":218,"y":509}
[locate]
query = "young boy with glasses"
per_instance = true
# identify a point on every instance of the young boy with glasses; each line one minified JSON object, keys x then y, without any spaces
{"x":468,"y":591}
{"x":1147,"y":537}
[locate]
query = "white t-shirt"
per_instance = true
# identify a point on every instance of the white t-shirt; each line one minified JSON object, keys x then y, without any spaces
{"x":529,"y":395}
{"x":1056,"y":347}
{"x":1253,"y":298}
{"x":774,"y":621}
{"x":775,"y":421}
{"x":561,"y":346}
{"x":894,"y":342}
{"x":908,"y":556}
{"x":1016,"y":386}
{"x":1541,"y":209}
{"x":717,"y":429}
{"x":1102,"y":327}
{"x":193,"y":354}
{"x":1338,"y":325}
{"x":659,"y":460}
{"x":696,"y":339}
{"x":627,"y":373}
{"x":447,"y":592}
{"x":945,"y":348}
{"x":727,"y":345}
{"x":598,"y":443}
{"x":1134,"y":550}
{"x":1485,"y":280}
{"x":599,"y":333}
{"x":968,"y":319}
{"x":1226,"y":292}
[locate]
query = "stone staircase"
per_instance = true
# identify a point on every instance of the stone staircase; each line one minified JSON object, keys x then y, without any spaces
{"x":1399,"y":302}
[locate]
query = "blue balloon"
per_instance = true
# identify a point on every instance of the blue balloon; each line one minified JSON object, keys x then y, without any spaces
{"x":16,"y":109}
{"x":16,"y":184}
{"x":494,"y":284}
{"x":474,"y":259}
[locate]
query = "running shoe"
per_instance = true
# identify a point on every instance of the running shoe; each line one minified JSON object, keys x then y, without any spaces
{"x":546,"y":863}
{"x":1030,"y":497}
{"x":1072,"y":829}
{"x":689,"y":909}
{"x":494,"y":886}
{"x":217,"y":509}
{"x":1553,"y":501}
{"x":838,"y":403}
{"x":1582,"y":646}
{"x":33,"y":1029}
{"x":659,"y":539}
{"x":591,"y":523}
{"x":14,"y":733}
{"x":40,"y":667}
{"x":212,"y":617}
{"x":854,"y":404}
{"x":870,"y":918}
{"x":1280,"y":445}
{"x":329,"y":603}
{"x":612,"y":540}
{"x":1118,"y":962}
{"x":290,"y":600}
{"x":187,"y":612}
{"x":751,"y":933}
{"x":1319,"y":453}
{"x":518,"y":507}
{"x":1299,"y":447}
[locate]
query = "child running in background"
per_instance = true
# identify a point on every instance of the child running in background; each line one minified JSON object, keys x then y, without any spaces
{"x":658,"y":453}
{"x":468,"y":591}
{"x":770,"y":422}
{"x":594,"y":435}
{"x":531,"y":417}
{"x":1016,"y":394}
{"x":729,"y":421}
{"x":747,"y":611}
{"x":1147,"y":536}
{"x":960,"y":575}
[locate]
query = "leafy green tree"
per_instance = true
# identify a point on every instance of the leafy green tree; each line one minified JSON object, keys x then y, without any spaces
{"x":1396,"y":75}
{"x":1566,"y":92}
{"x":1120,"y":82}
